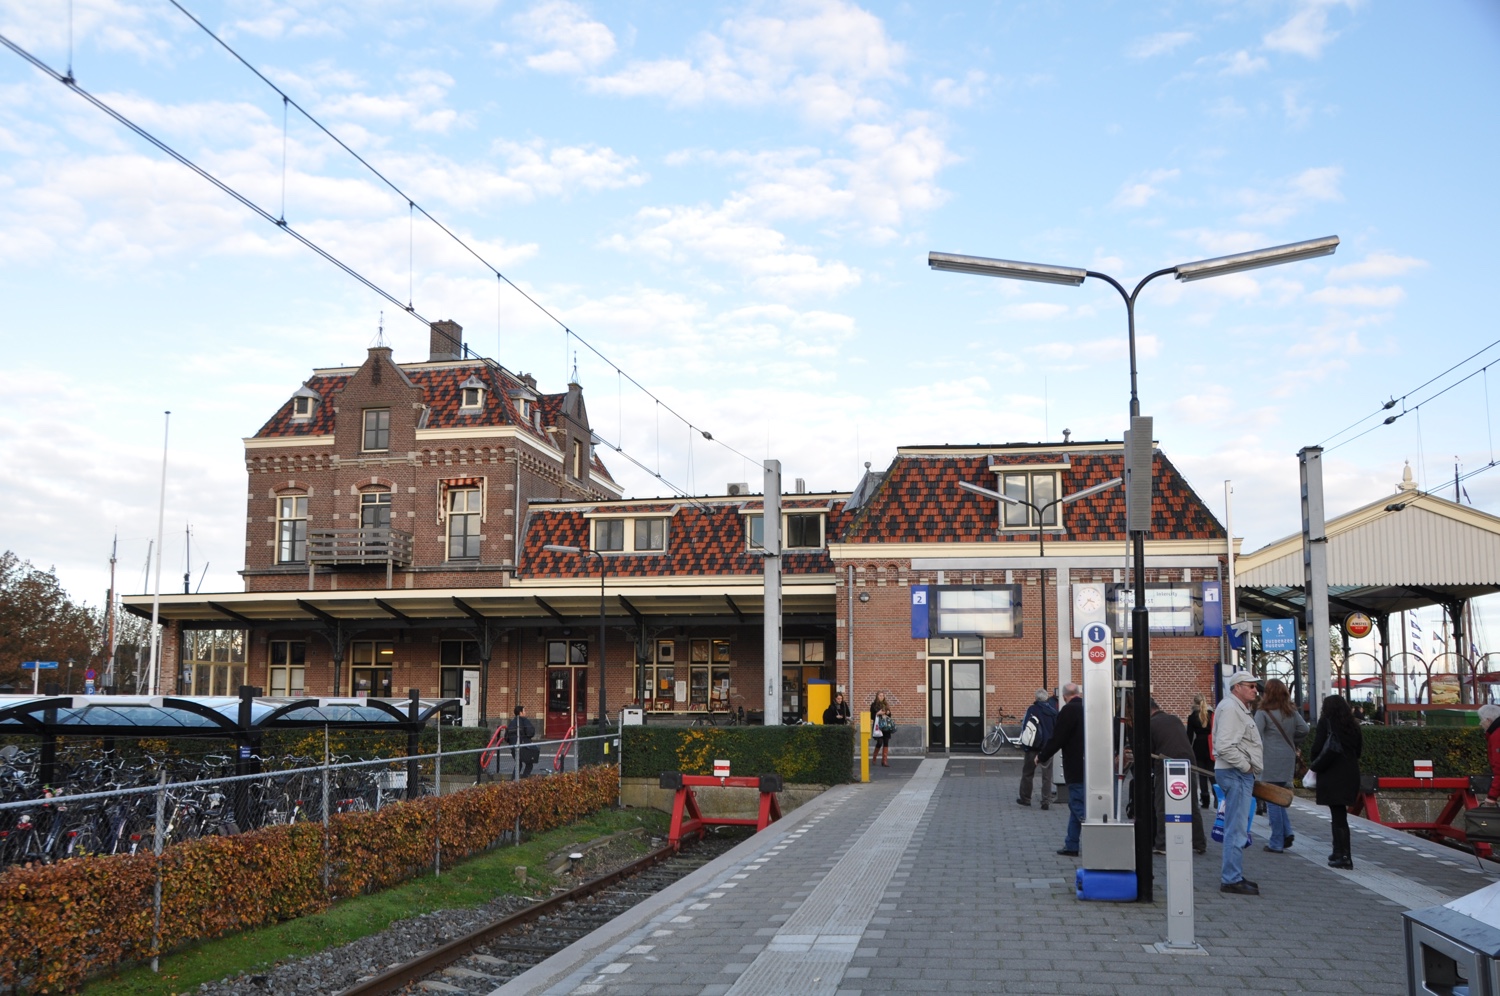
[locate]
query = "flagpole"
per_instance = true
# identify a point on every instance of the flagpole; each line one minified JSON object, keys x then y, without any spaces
{"x":154,"y":668}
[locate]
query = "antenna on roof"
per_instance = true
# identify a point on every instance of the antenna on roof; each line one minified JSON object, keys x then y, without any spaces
{"x":574,"y":378}
{"x":380,"y":331}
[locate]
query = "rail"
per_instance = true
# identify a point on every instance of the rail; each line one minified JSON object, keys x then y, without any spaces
{"x":359,"y":548}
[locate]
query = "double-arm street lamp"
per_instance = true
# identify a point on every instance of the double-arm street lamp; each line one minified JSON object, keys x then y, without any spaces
{"x":1138,"y":520}
{"x":1041,"y":516}
{"x":603,"y":569}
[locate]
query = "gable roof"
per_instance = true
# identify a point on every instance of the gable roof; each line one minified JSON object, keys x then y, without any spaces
{"x":705,"y":536}
{"x":919,"y":500}
{"x":442,"y":391}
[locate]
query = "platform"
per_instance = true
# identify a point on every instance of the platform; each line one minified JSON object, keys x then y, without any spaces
{"x":932,"y":879}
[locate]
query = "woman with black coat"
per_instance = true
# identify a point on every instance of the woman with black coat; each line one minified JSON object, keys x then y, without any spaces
{"x":1336,"y":749}
{"x":1199,"y":729}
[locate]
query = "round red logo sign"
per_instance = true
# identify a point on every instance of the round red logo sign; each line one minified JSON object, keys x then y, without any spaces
{"x":1358,"y":625}
{"x":1097,"y":654}
{"x":1177,"y":788}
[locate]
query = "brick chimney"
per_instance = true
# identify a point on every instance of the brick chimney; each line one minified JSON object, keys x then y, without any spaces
{"x":446,"y":342}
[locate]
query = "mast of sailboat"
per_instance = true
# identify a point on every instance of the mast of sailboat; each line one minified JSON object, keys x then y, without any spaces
{"x":154,"y":668}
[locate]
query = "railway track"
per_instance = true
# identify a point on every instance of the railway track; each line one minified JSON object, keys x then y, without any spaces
{"x":492,"y":955}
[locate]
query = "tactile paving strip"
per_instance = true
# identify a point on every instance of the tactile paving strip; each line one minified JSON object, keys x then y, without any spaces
{"x":809,"y":953}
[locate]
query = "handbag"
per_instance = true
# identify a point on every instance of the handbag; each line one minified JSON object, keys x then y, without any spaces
{"x":1300,"y":767}
{"x":1328,"y":756}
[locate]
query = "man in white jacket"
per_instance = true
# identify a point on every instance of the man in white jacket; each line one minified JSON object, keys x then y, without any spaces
{"x":1237,"y":760}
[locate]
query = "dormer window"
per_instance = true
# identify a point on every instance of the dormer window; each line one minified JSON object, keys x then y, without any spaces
{"x":305,"y":403}
{"x":471,"y":394}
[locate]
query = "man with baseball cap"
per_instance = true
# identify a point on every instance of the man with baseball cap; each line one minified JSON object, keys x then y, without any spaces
{"x":1237,"y":760}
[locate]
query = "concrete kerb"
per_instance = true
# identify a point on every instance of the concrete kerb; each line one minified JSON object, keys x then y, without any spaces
{"x":571,"y":966}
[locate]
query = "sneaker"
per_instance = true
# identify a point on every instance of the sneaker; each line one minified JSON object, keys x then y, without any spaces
{"x":1023,"y":802}
{"x":1201,"y":850}
{"x":1067,"y":853}
{"x":1241,"y":888}
{"x":1273,"y":850}
{"x":1158,"y":850}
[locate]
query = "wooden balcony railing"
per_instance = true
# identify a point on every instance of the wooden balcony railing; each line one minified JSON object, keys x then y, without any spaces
{"x":358,"y":547}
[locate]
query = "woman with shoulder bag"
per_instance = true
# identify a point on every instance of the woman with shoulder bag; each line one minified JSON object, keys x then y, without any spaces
{"x":1336,"y":750}
{"x":1281,"y":727}
{"x":880,"y":725}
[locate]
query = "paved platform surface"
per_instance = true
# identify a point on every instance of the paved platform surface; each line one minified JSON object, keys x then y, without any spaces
{"x":932,"y":879}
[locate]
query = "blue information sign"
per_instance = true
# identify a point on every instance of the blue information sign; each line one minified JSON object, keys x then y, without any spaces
{"x":39,"y":665}
{"x":919,"y":626}
{"x":1213,"y":609}
{"x":1278,"y":635}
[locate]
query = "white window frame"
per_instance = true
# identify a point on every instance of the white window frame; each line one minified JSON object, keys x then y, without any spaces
{"x":291,"y":510}
{"x":366,"y":502}
{"x":302,"y":407}
{"x":463,"y":399}
{"x":1020,"y":518}
{"x":627,"y":543}
{"x":471,"y":515}
{"x":752,"y":518}
{"x":648,"y":521}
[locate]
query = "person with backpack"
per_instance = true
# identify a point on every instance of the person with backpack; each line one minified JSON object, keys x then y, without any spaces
{"x":1036,"y":730}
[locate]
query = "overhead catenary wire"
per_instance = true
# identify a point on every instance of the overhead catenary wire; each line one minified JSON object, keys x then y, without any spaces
{"x":243,"y":199}
{"x":1417,"y":406}
{"x":1393,"y":402}
{"x":471,"y":250}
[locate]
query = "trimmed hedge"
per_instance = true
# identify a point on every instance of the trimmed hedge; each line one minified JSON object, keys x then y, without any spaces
{"x":1389,"y":750}
{"x":60,"y":924}
{"x":811,"y":754}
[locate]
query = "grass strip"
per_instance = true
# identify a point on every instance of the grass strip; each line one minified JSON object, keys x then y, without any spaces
{"x":472,"y":883}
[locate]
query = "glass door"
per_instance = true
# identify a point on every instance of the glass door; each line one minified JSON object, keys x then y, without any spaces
{"x":965,"y":705}
{"x":937,"y":705}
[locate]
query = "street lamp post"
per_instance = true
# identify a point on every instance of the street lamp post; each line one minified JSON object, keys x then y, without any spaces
{"x":1139,"y":616}
{"x":1041,"y":515}
{"x":603,"y":566}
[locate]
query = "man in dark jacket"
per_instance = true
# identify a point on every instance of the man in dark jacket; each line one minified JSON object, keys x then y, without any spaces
{"x":1169,"y":739}
{"x":1067,"y":736}
{"x":1044,"y":715}
{"x":519,"y":732}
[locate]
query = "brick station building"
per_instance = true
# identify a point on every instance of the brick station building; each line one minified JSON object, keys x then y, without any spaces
{"x":399,"y":514}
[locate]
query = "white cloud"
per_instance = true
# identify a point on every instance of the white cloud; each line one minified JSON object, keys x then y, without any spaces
{"x":823,"y":57}
{"x":1242,"y":63}
{"x":767,"y":259}
{"x":564,"y":39}
{"x":1286,"y":200}
{"x":1359,"y":296}
{"x":1031,"y":311}
{"x":1074,"y":355}
{"x":956,"y":93}
{"x":1306,"y":32}
{"x":1376,"y":266}
{"x":1141,"y":192}
{"x":1160,"y":44}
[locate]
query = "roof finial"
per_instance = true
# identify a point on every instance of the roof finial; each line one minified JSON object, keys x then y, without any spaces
{"x":1407,"y":484}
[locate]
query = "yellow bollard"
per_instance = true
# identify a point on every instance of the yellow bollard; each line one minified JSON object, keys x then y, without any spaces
{"x":864,"y":746}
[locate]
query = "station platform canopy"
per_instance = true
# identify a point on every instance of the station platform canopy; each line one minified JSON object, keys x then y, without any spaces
{"x":1402,"y":552}
{"x":175,"y":716}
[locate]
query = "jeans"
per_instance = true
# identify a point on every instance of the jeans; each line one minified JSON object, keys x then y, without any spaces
{"x":1075,"y":816}
{"x":1237,"y":802}
{"x":1281,"y":822}
{"x":1028,"y":773}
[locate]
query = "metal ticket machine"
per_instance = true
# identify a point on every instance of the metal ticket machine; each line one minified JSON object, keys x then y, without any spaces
{"x":1178,"y":790}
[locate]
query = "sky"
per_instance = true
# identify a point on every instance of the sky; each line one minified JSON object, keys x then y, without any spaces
{"x":733,"y":203}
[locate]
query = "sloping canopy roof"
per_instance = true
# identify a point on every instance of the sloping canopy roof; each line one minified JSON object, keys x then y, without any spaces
{"x":1400,"y":552}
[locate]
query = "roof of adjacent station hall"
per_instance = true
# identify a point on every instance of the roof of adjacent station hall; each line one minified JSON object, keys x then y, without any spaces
{"x":705,"y":536}
{"x":441,"y":384}
{"x":919,"y":500}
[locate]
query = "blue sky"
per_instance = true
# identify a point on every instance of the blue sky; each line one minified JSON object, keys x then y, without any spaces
{"x":734,"y":203}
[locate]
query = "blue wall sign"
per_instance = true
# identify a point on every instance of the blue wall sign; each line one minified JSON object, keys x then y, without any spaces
{"x":1213,"y":609}
{"x":919,"y":611}
{"x":1277,"y":635}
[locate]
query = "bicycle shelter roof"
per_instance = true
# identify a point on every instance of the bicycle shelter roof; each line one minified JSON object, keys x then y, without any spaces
{"x":176,"y":715}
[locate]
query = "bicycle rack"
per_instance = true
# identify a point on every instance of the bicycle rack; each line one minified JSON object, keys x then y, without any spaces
{"x":687,"y":818}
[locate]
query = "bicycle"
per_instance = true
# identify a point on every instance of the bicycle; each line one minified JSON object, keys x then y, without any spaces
{"x":999,"y":736}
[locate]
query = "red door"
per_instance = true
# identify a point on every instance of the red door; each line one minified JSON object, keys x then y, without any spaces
{"x":567,"y":696}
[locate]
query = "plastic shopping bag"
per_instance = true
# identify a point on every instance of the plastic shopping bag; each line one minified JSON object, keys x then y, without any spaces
{"x":1218,"y":831}
{"x":1310,"y":779}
